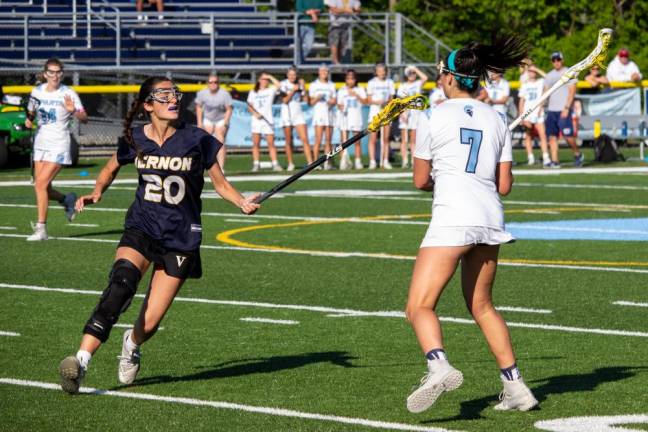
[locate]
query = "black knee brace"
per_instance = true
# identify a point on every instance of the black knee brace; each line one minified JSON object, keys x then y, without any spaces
{"x":122,"y":284}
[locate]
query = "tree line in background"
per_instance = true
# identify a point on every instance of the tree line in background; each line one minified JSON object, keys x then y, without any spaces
{"x":550,"y":25}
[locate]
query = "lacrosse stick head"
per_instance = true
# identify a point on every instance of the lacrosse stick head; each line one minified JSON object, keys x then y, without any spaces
{"x":31,"y":107}
{"x":596,"y":57}
{"x":395,"y":108}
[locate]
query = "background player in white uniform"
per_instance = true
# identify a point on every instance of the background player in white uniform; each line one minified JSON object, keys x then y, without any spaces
{"x":214,"y":111}
{"x":464,"y":155}
{"x":260,"y":106}
{"x":322,"y":97}
{"x":436,"y":98}
{"x":381,"y":90}
{"x":350,"y":99}
{"x":498,"y":90}
{"x":58,"y":104}
{"x":530,"y":91}
{"x":408,"y":121}
{"x":293,"y":93}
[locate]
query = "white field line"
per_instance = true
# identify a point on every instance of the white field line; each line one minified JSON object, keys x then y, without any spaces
{"x":580,"y":186}
{"x":242,"y":220}
{"x":355,"y":254}
{"x":8,"y":333}
{"x":8,"y":228}
{"x":629,"y":303}
{"x":269,"y":321}
{"x":577,"y":204}
{"x":281,"y":412}
{"x":542,"y":212}
{"x":130,"y":326}
{"x":341,"y":312}
{"x":83,"y":225}
{"x":522,"y":225}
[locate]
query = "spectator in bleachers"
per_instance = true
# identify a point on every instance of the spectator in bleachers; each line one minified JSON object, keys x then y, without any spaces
{"x":622,"y":69}
{"x":139,"y":7}
{"x":341,"y":16}
{"x":558,"y":120}
{"x":498,"y":90}
{"x":58,"y":105}
{"x":259,"y":103}
{"x":293,"y":93}
{"x":214,"y":111}
{"x":311,"y":8}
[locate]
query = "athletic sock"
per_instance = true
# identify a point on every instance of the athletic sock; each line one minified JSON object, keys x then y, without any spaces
{"x":511,"y":373}
{"x":84,"y":358}
{"x":436,"y":354}
{"x":130,"y":344}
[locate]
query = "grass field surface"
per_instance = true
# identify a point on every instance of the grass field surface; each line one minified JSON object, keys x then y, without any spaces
{"x":298,"y":323}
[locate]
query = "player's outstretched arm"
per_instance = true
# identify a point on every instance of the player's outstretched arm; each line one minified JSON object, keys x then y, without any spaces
{"x":229,"y":192}
{"x":104,"y":180}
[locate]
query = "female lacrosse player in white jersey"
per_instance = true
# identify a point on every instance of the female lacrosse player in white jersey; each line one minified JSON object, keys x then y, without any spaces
{"x":530,"y":91}
{"x":293,"y":93}
{"x":463,"y":154}
{"x":57,"y":105}
{"x":260,"y":106}
{"x":350,"y":99}
{"x":322,"y":98}
{"x":408,"y":121}
{"x":381,"y":90}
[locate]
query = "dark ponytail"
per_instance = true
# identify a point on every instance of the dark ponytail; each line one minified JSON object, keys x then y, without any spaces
{"x":136,"y":108}
{"x":473,"y":62}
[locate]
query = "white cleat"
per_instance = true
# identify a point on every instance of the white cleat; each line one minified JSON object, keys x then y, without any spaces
{"x":435,"y":382}
{"x":372,"y":164}
{"x":276,"y":167}
{"x":129,"y":362}
{"x":255,"y":167}
{"x":386,"y":165}
{"x":358,"y":164}
{"x":40,"y":233}
{"x":516,"y":396}
{"x":291,"y":167}
{"x":71,"y":374}
{"x":68,"y":204}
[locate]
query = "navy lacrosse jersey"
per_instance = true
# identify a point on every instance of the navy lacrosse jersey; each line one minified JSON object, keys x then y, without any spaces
{"x":167,"y":203}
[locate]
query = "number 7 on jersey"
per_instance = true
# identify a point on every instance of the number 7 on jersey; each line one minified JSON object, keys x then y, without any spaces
{"x":473,"y":138}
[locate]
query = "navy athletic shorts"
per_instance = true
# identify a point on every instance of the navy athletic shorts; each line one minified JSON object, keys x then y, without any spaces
{"x":180,"y":264}
{"x":555,"y":125}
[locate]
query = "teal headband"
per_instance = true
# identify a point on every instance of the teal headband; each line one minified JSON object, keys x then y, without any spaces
{"x":466,"y":80}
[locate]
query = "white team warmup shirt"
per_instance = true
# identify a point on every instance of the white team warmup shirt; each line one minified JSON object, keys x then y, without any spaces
{"x":497,"y":90}
{"x":351,"y":113}
{"x":322,"y":111}
{"x":291,"y":112}
{"x":465,"y":139}
{"x":380,"y":91}
{"x":409,"y":119}
{"x":531,"y":91}
{"x":262,"y":102}
{"x":53,"y":134}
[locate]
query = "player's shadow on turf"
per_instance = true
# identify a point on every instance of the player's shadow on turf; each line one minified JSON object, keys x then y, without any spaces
{"x":472,"y":409}
{"x":257,"y":365}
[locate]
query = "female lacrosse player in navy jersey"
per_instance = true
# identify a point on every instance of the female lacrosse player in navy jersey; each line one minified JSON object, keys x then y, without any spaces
{"x":463,"y":154}
{"x":162,"y":228}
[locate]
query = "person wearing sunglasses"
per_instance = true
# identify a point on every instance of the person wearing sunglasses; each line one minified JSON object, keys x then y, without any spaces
{"x":463,"y":154}
{"x":163,"y":228}
{"x":214,"y":111}
{"x":59,"y":104}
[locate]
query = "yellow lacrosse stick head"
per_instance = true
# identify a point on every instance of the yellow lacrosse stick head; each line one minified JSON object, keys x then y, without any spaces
{"x":395,"y":108}
{"x":605,"y":37}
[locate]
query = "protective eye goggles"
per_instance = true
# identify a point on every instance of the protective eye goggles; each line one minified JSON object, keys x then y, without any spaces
{"x":164,"y":95}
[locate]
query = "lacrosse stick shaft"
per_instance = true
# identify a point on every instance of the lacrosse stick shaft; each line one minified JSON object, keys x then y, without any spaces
{"x":541,"y":101}
{"x":259,"y":114}
{"x":319,"y":161}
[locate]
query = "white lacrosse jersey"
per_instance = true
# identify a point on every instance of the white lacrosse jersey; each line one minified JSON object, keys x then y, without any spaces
{"x":53,"y":119}
{"x":380,"y":92}
{"x":324,"y":91}
{"x":465,"y":139}
{"x":286,"y":87}
{"x":262,"y":102}
{"x":407,"y":88}
{"x":531,"y":91}
{"x":498,"y":90}
{"x":351,"y":108}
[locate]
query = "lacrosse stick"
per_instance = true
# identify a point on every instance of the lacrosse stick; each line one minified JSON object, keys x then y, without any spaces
{"x":383,"y":118}
{"x":596,"y":57}
{"x":31,"y":108}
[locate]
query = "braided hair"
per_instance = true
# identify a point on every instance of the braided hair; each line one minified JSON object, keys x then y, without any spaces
{"x":472,"y":63}
{"x":136,"y":108}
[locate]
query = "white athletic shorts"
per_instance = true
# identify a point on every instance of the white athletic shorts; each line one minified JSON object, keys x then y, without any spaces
{"x":59,"y":156}
{"x":463,"y":236}
{"x":373,"y":110}
{"x":536,"y":118}
{"x":210,"y":124}
{"x":348,"y":123}
{"x":323,"y":118}
{"x":261,"y":127}
{"x":409,"y":120}
{"x":292,"y":115}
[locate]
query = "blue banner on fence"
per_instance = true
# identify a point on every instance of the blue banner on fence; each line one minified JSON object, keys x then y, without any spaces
{"x":239,"y":134}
